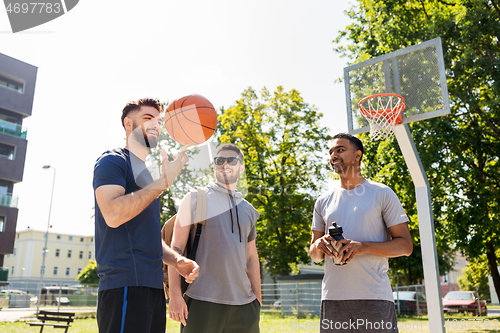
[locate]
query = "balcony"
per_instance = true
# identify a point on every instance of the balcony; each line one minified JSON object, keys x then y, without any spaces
{"x":12,"y":129}
{"x":8,"y":200}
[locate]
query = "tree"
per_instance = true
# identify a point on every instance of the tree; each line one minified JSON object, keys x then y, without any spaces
{"x":383,"y":162}
{"x":88,"y":276}
{"x":475,"y":277}
{"x":285,"y":160}
{"x":460,"y":152}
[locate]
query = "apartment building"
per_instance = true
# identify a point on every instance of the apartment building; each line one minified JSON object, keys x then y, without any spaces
{"x":17,"y":88}
{"x":67,"y":255}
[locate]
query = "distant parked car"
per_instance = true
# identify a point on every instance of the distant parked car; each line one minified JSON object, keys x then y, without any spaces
{"x":50,"y":295}
{"x":62,"y":300}
{"x":7,"y":292}
{"x":408,"y":303}
{"x":464,"y":301}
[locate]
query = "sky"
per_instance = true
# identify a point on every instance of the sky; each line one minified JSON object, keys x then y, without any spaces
{"x":103,"y":54}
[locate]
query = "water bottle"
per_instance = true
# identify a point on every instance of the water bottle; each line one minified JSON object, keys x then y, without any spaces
{"x":335,"y":232}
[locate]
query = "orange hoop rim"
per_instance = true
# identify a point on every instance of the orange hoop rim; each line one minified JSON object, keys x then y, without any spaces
{"x":384,"y":112}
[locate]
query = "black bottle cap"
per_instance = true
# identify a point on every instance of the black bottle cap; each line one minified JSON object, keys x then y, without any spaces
{"x":335,"y":229}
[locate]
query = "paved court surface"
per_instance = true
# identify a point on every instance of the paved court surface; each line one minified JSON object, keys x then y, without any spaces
{"x":14,"y":314}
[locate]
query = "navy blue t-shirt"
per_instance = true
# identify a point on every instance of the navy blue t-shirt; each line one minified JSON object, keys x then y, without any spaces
{"x":130,"y":255}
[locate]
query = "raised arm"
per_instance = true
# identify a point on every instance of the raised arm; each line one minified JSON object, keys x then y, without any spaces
{"x":118,"y":208}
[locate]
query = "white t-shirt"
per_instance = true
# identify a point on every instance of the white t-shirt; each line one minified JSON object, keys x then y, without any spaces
{"x":365,"y":214}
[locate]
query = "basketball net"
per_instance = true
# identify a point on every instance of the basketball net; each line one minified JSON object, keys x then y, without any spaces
{"x":383,"y":112}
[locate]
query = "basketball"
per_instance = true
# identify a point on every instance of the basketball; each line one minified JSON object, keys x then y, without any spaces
{"x":190,"y":120}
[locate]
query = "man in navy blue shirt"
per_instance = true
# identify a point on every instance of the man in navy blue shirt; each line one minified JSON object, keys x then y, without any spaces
{"x":129,"y":249}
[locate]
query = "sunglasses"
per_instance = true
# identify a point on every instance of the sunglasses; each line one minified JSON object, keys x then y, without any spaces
{"x":230,"y":160}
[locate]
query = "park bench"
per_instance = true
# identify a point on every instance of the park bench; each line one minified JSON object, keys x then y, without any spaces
{"x":54,"y":319}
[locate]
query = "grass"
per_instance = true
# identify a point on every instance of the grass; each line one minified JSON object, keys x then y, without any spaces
{"x":85,"y":322}
{"x":278,"y":323}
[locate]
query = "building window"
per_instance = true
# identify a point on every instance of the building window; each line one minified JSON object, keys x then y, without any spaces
{"x":14,"y":252}
{"x":92,"y":240}
{"x":58,"y":236}
{"x":5,"y":197}
{"x":79,"y":271}
{"x":9,"y":125}
{"x":69,"y":253}
{"x":90,"y":254}
{"x":2,"y":223}
{"x":6,"y":151}
{"x":70,"y":238}
{"x":81,"y":239}
{"x":6,"y":118}
{"x":54,"y":270}
{"x":11,"y":82}
{"x":57,"y":253}
{"x":12,"y":270}
{"x":68,"y":271}
{"x":81,"y":255}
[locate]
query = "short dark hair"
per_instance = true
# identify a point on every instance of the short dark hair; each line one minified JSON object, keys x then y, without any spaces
{"x":233,"y":147}
{"x":136,"y":105}
{"x":358,"y":145}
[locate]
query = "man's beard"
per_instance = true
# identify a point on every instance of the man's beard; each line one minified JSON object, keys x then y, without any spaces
{"x":141,"y":136}
{"x":225,"y":179}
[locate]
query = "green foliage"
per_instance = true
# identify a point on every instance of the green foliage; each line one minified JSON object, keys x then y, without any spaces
{"x":383,"y":162}
{"x":89,"y":274}
{"x":475,"y":277}
{"x":459,"y":152}
{"x":283,"y":143}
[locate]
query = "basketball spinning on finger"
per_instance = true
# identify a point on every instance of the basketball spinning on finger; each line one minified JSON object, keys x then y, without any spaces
{"x":190,"y":120}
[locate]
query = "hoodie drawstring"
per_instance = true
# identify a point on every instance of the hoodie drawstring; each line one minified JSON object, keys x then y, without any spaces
{"x":231,"y":212}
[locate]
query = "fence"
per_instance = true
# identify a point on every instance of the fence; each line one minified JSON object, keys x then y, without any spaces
{"x":61,"y":295}
{"x":410,"y":300}
{"x":292,"y":298}
{"x":301,"y":298}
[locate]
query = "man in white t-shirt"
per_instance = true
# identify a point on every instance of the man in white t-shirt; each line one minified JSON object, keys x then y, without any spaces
{"x":357,"y":294}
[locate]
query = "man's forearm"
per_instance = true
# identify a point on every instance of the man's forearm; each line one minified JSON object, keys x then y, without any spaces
{"x":169,"y":256}
{"x":316,"y":255}
{"x":130,"y":205}
{"x":174,"y":282}
{"x":119,"y":208}
{"x":394,"y":248}
{"x":253,"y":272}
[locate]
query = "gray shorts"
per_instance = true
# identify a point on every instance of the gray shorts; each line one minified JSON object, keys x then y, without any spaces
{"x":373,"y":316}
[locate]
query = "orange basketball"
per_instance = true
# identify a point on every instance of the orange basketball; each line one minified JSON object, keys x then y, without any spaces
{"x":190,"y":120}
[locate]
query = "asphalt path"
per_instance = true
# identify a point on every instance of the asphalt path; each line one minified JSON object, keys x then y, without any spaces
{"x":493,"y":312}
{"x":15,"y":314}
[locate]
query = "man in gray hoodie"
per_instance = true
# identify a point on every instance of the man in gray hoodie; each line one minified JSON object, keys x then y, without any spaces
{"x":226,"y":295}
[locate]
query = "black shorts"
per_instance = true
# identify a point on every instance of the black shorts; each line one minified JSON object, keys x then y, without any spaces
{"x":208,"y":317}
{"x":347,"y":316}
{"x":131,"y":310}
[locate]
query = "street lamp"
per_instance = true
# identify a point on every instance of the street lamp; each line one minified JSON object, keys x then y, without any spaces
{"x":42,"y":271}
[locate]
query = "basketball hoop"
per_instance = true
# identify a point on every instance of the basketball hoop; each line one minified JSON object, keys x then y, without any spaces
{"x":383,"y":112}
